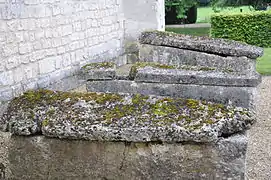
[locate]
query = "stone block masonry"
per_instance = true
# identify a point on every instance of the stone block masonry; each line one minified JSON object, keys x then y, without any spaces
{"x":42,"y":42}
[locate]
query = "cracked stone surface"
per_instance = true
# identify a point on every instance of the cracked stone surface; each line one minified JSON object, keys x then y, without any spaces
{"x":221,"y":47}
{"x":39,"y":157}
{"x":116,"y":117}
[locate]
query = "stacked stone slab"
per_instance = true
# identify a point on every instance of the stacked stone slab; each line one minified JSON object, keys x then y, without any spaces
{"x":221,"y":71}
{"x":171,"y":137}
{"x":181,"y":112}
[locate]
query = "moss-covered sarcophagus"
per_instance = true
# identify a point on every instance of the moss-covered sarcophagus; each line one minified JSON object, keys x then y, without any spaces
{"x":181,"y":112}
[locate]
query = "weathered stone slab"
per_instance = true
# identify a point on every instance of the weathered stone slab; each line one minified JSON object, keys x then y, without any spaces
{"x":197,"y":77}
{"x":123,"y":72}
{"x":114,"y":117}
{"x":238,"y":96}
{"x":221,"y":47}
{"x":99,"y":71}
{"x":179,"y":57}
{"x":43,"y":158}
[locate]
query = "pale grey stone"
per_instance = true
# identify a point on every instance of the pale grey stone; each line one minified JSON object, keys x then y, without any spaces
{"x":238,"y":96}
{"x":179,"y":57}
{"x":201,"y":77}
{"x":123,"y":72}
{"x":46,"y":158}
{"x":100,"y":74}
{"x":114,"y":117}
{"x":221,"y":47}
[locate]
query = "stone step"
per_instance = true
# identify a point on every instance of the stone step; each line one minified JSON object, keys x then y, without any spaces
{"x":197,"y":77}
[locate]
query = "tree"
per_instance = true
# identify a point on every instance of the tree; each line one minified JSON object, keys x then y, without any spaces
{"x":181,"y":6}
{"x":256,"y":4}
{"x":181,"y":11}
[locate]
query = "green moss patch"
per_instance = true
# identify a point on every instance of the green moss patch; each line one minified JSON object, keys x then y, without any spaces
{"x":99,"y":65}
{"x":43,"y":97}
{"x":138,"y":65}
{"x":120,"y":110}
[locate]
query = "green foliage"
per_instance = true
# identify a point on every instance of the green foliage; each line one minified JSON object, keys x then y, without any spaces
{"x":256,"y":4}
{"x":181,"y":6}
{"x":252,"y":28}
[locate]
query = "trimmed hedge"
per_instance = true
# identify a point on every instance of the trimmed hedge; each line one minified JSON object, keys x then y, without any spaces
{"x":252,"y":28}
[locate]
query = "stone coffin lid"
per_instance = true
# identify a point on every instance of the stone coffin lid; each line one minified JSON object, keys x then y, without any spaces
{"x":200,"y":76}
{"x":161,"y":73}
{"x":221,"y":47}
{"x":116,"y":117}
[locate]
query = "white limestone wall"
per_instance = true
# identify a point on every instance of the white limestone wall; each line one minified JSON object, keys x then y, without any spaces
{"x":143,"y":15}
{"x":44,"y":41}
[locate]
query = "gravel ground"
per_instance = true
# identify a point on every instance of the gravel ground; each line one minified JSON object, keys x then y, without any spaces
{"x":259,"y":147}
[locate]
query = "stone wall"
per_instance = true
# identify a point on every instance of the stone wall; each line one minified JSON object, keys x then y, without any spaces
{"x":143,"y":15}
{"x":44,"y":41}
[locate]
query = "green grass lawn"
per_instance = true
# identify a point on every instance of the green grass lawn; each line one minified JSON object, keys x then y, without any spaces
{"x":190,"y":31}
{"x":263,"y":63}
{"x":204,"y":13}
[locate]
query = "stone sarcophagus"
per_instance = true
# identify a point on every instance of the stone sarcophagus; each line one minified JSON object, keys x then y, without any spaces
{"x":180,"y":112}
{"x":175,"y":65}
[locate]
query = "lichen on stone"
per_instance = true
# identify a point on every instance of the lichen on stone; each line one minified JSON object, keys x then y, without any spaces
{"x":99,"y":65}
{"x":127,"y":117}
{"x":218,"y":46}
{"x":138,"y":65}
{"x":197,"y":68}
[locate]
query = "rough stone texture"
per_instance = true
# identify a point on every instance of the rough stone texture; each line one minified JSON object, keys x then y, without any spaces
{"x":99,"y":71}
{"x":239,"y":96}
{"x":179,"y":57}
{"x":123,"y":72}
{"x":114,"y":117}
{"x":43,"y":158}
{"x":203,"y":44}
{"x":201,"y":77}
{"x":100,"y":74}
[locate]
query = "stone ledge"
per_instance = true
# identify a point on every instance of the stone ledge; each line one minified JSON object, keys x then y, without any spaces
{"x":198,"y":77}
{"x":221,"y":47}
{"x":171,"y":74}
{"x":99,"y":71}
{"x":116,"y":117}
{"x":237,"y":96}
